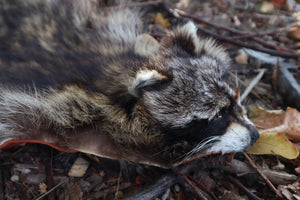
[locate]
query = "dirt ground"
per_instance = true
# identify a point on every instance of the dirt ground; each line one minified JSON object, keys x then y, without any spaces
{"x":32,"y":170}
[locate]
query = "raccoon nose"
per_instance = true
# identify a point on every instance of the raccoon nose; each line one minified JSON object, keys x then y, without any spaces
{"x":254,"y":136}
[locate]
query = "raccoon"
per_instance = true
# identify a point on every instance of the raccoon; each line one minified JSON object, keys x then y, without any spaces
{"x":69,"y":71}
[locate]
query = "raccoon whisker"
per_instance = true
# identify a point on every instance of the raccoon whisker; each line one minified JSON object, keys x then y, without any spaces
{"x":202,"y":145}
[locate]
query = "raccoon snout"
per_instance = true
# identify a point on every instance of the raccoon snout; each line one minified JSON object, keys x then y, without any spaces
{"x":254,"y":134}
{"x":237,"y":137}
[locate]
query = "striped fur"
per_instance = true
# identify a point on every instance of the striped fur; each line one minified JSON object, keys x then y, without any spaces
{"x":66,"y":66}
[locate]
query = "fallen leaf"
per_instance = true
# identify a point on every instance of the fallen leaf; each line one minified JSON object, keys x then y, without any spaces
{"x":79,"y":168}
{"x":242,"y":57}
{"x":236,"y":20}
{"x":287,"y":122}
{"x":43,"y":188}
{"x":278,"y":3}
{"x":265,"y":119}
{"x":294,"y":33}
{"x":292,"y":124}
{"x":266,"y":7}
{"x":160,"y":20}
{"x":275,"y":144}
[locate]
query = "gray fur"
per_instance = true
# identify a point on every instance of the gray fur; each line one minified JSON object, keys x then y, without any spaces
{"x":96,"y":74}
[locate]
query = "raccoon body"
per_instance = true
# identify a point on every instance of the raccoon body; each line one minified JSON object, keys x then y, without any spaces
{"x":66,"y":68}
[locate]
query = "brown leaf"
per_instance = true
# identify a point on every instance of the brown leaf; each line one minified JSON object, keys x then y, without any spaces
{"x":242,"y":57}
{"x":278,"y":121}
{"x":294,"y":33}
{"x":275,"y":129}
{"x":278,"y":3}
{"x":264,"y":119}
{"x":43,"y":188}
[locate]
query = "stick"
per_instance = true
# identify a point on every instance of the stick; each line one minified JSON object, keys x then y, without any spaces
{"x":51,"y":190}
{"x":177,"y":13}
{"x":252,"y":84}
{"x":272,"y":187}
{"x":188,"y":181}
{"x":156,"y":189}
{"x":242,"y":187}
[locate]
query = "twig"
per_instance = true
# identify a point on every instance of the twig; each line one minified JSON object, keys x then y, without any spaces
{"x":244,"y":84}
{"x":252,"y":84}
{"x":272,"y":187}
{"x":200,"y":20}
{"x":249,"y":46}
{"x":242,"y":187}
{"x":48,"y":168}
{"x":188,"y":181}
{"x":203,"y":187}
{"x":51,"y":190}
{"x":156,"y":189}
{"x":251,"y":35}
{"x":118,"y":186}
{"x":141,"y":4}
{"x":178,"y":13}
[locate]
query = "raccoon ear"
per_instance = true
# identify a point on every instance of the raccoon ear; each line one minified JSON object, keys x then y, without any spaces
{"x":144,"y":79}
{"x":146,"y":45}
{"x":185,"y":37}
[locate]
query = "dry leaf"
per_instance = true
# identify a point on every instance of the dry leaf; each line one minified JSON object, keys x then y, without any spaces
{"x":275,"y":144}
{"x":264,"y":119}
{"x":278,"y":121}
{"x":43,"y":188}
{"x":79,"y":168}
{"x":160,"y":20}
{"x":294,"y":33}
{"x":276,"y":127}
{"x":242,"y":57}
{"x":266,"y":7}
{"x":236,"y":20}
{"x":278,"y":3}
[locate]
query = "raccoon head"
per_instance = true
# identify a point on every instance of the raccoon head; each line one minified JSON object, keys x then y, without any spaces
{"x":182,"y":88}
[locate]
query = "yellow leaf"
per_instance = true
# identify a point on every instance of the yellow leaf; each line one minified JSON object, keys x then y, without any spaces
{"x":274,"y":144}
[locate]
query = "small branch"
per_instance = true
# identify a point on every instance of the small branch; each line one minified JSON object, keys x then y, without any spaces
{"x":252,"y":84}
{"x":243,"y":44}
{"x":156,"y":189}
{"x":272,"y":187}
{"x":51,"y":190}
{"x":203,"y":187}
{"x":178,"y":13}
{"x":251,"y":35}
{"x":242,"y":187}
{"x":234,"y":31}
{"x":47,"y":154}
{"x":118,"y":186}
{"x":188,"y":181}
{"x":141,"y":4}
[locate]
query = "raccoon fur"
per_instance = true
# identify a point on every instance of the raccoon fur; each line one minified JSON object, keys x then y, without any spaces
{"x":66,"y":66}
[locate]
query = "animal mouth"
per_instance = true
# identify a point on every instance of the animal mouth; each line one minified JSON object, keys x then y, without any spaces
{"x":236,"y":139}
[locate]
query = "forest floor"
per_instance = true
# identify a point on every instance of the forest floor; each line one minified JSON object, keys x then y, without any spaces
{"x":248,"y":29}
